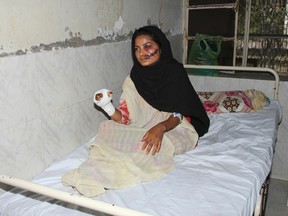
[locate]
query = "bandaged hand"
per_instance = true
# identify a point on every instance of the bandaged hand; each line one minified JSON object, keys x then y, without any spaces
{"x":102,"y":98}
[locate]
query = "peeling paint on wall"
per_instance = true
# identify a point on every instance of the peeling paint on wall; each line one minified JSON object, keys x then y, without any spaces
{"x":28,"y":23}
{"x":75,"y":41}
{"x":72,"y":42}
{"x":40,"y":25}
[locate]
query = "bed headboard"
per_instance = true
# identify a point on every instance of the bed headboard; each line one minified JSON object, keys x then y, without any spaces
{"x":242,"y":69}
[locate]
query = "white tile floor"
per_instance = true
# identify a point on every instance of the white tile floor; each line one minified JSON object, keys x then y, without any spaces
{"x":277,"y":202}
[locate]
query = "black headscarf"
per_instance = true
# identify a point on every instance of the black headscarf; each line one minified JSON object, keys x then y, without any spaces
{"x":165,"y":85}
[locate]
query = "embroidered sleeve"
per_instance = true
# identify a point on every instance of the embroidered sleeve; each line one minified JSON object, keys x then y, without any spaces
{"x":124,"y":110}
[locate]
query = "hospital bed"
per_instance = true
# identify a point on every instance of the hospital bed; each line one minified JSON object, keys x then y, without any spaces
{"x":226,"y":174}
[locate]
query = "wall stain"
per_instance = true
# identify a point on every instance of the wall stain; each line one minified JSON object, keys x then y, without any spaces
{"x":75,"y":41}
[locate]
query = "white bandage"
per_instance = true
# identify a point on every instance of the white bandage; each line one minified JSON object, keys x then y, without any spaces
{"x":102,"y":98}
{"x":109,"y":109}
{"x":175,"y":114}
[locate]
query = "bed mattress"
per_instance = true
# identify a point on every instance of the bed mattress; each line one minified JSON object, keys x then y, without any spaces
{"x":223,"y":175}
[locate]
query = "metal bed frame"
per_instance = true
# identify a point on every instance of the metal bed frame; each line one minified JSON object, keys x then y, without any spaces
{"x":117,"y":210}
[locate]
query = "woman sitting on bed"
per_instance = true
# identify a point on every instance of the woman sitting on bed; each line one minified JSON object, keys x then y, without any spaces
{"x":163,"y":83}
{"x":155,"y":96}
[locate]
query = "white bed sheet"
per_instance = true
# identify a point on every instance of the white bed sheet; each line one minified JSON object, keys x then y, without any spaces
{"x":223,"y":175}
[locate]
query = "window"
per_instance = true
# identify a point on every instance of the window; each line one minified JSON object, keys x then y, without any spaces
{"x":255,"y":31}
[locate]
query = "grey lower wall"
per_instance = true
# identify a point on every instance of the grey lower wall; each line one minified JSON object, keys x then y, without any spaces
{"x":46,"y":107}
{"x":53,"y":56}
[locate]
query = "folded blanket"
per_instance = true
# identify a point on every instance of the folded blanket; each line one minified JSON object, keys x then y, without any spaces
{"x":116,"y":159}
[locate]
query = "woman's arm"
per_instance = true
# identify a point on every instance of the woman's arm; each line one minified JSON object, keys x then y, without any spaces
{"x":121,"y":114}
{"x":117,"y":116}
{"x":103,"y":99}
{"x":152,"y":140}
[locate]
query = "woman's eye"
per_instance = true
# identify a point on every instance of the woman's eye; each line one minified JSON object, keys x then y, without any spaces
{"x":147,"y":46}
{"x":136,"y":49}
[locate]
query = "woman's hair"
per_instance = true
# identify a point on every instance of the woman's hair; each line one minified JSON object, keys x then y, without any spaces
{"x":143,"y":31}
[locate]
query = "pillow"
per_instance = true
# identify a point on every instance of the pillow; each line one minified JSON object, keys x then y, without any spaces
{"x":233,"y":101}
{"x":258,"y":99}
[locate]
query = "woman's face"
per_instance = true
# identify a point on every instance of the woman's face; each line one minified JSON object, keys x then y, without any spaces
{"x":146,"y":50}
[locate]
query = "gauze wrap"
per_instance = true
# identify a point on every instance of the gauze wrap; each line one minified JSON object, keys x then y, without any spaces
{"x":105,"y":102}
